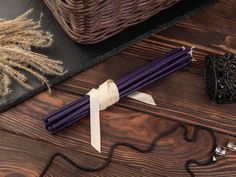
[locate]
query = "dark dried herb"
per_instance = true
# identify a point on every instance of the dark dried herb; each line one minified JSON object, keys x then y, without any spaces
{"x":220,"y":78}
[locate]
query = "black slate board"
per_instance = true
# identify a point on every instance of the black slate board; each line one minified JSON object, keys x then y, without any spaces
{"x":77,"y":57}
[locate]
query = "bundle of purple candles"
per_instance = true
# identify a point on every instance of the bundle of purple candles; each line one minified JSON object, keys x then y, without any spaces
{"x":153,"y":71}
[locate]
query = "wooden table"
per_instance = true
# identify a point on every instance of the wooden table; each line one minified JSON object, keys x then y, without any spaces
{"x":25,"y":145}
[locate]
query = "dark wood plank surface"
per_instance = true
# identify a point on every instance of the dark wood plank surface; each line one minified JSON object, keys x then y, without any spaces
{"x":19,"y":157}
{"x":25,"y":145}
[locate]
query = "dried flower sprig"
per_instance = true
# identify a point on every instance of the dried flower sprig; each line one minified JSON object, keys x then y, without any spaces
{"x":17,"y":37}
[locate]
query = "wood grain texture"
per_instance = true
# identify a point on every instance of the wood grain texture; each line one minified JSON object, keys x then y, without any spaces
{"x":24,"y":157}
{"x":181,"y":96}
{"x":25,"y":145}
{"x":118,"y":124}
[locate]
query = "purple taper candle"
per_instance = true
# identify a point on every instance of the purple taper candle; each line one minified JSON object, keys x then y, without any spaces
{"x":151,"y":72}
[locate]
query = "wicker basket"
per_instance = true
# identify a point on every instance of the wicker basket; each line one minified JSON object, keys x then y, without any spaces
{"x":91,"y":21}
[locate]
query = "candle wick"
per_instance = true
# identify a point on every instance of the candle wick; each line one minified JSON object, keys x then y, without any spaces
{"x":191,"y":53}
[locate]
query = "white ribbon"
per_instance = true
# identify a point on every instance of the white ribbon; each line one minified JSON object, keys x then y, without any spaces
{"x":106,"y":95}
{"x":143,"y":97}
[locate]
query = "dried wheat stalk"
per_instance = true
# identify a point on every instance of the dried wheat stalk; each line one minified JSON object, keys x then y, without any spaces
{"x":17,"y":36}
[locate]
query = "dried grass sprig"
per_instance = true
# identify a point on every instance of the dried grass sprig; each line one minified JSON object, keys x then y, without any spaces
{"x":17,"y":37}
{"x":6,"y":81}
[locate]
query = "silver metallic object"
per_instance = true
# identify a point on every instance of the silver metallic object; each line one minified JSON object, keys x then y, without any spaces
{"x":220,"y":151}
{"x":231,"y":146}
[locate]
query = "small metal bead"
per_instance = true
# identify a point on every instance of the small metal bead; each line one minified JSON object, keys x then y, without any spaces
{"x":214,"y":159}
{"x":231,"y":146}
{"x":220,"y":151}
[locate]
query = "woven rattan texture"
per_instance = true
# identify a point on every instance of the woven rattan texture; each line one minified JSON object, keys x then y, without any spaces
{"x":92,"y":21}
